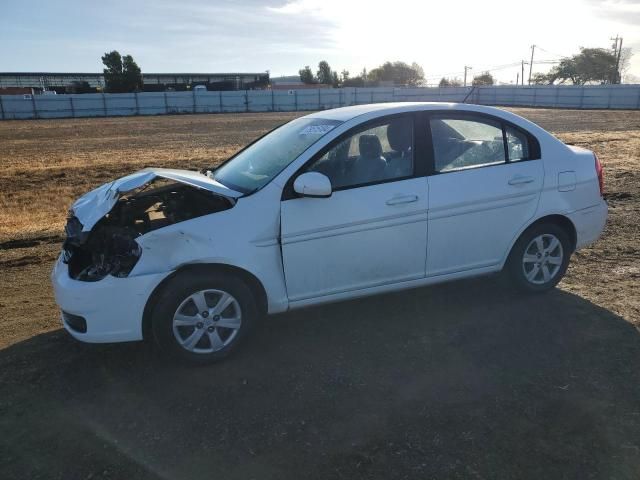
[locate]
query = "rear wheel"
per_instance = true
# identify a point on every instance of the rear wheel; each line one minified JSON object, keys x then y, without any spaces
{"x":540,"y":258}
{"x":202,"y":317}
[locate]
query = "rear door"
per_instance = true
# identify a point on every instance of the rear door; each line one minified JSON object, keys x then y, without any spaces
{"x":486,"y":182}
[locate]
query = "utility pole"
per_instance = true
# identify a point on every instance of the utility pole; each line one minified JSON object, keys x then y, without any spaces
{"x":617,"y":51}
{"x":465,"y":74}
{"x":517,"y":78}
{"x":522,"y":69}
{"x":533,"y":48}
{"x":619,"y":79}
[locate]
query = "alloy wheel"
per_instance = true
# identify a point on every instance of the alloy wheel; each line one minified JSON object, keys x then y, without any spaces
{"x":207,"y":321}
{"x":542,"y":259}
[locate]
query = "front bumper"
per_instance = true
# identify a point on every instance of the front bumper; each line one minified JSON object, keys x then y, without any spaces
{"x":589,"y":223}
{"x":112,"y":307}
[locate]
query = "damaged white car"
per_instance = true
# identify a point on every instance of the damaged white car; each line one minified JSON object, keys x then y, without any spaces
{"x":334,"y":205}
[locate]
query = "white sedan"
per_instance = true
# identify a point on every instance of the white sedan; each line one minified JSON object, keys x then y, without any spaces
{"x":331,"y":206}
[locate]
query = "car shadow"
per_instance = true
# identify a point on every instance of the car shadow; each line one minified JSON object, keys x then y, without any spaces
{"x":464,"y":380}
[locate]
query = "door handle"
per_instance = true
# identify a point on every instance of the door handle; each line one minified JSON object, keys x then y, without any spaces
{"x":402,"y":199}
{"x":519,"y":180}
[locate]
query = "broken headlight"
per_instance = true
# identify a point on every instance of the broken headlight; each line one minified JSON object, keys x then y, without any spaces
{"x":106,"y":250}
{"x":110,"y":248}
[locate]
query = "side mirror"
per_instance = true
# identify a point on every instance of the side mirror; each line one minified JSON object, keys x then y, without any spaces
{"x":312,"y":184}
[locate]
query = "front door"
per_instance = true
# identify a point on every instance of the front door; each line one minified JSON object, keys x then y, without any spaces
{"x":372,"y":231}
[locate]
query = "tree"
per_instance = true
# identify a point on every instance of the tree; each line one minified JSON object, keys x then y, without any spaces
{"x":335,"y":81}
{"x":306,"y":75}
{"x":418,"y":72}
{"x":591,"y":65}
{"x":625,"y":60}
{"x":399,"y":73}
{"x":122,"y":74}
{"x":483,"y":79}
{"x":540,"y":79}
{"x":345,"y":75}
{"x":132,"y":73}
{"x":353,"y":82}
{"x":364,"y":75}
{"x":324,"y":75}
{"x":450,"y":82}
{"x":79,"y":86}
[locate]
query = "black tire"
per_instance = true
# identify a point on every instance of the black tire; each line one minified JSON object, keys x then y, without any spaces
{"x":178,"y":290}
{"x":517,"y":271}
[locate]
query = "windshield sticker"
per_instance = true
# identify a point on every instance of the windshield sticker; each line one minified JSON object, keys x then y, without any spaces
{"x":316,"y":129}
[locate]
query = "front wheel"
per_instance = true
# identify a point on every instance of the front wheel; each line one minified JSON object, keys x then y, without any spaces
{"x":540,"y":258}
{"x":202,"y":317}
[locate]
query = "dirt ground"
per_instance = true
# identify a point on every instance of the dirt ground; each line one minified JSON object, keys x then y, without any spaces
{"x":465,"y":380}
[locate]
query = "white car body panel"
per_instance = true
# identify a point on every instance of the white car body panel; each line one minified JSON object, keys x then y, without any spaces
{"x":473,"y":214}
{"x":220,"y":238}
{"x":307,"y":251}
{"x":381,"y":229}
{"x":113,"y":306}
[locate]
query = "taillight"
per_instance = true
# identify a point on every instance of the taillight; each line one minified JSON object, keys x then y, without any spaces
{"x":600,"y":174}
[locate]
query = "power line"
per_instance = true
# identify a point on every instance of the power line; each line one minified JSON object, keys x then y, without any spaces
{"x":493,"y":68}
{"x":552,"y":53}
{"x":488,"y":69}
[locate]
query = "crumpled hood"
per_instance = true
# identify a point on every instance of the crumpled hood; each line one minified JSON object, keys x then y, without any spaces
{"x":94,"y":205}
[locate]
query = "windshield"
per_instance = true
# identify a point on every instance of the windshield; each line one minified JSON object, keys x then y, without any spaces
{"x":259,"y":163}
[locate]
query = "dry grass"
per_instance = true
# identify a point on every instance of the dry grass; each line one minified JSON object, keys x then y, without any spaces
{"x":47,"y":164}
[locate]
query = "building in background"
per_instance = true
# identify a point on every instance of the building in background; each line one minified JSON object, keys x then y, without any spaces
{"x":39,"y":82}
{"x":293,"y":82}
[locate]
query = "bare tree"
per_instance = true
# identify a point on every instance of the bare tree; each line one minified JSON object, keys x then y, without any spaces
{"x":625,"y":62}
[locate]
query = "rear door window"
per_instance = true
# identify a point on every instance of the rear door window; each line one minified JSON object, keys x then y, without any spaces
{"x":461,"y":143}
{"x":518,"y":145}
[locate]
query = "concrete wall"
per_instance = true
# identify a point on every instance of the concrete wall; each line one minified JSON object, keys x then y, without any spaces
{"x":158,"y":103}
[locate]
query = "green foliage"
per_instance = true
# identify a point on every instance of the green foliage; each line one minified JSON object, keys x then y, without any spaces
{"x":324,"y":75}
{"x":399,"y":73}
{"x":540,"y":79}
{"x":483,"y":79}
{"x":132,"y":73}
{"x":306,"y":75}
{"x":450,"y":82}
{"x":591,"y":65}
{"x":121,"y":74}
{"x":80,"y":86}
{"x":335,"y":81}
{"x":353,"y":82}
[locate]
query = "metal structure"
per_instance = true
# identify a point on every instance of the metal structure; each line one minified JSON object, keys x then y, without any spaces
{"x":153,"y":81}
{"x":158,"y":103}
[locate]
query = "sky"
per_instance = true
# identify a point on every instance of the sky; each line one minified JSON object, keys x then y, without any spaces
{"x":282,"y":36}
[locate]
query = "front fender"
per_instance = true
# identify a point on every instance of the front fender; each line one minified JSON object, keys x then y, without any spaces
{"x":239,"y":237}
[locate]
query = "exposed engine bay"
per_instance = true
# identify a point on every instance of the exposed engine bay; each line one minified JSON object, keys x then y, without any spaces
{"x":110,"y":247}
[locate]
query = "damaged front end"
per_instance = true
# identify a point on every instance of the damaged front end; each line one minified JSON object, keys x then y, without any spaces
{"x":109,"y":249}
{"x":109,"y":246}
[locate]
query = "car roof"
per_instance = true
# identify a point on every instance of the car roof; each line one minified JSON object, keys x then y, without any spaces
{"x":374,"y":110}
{"x":344,"y":114}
